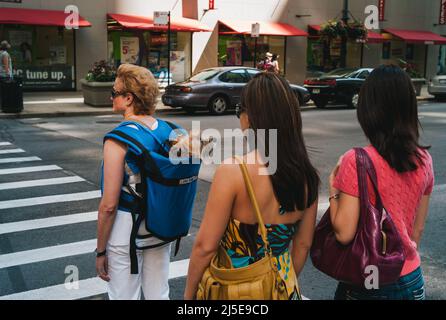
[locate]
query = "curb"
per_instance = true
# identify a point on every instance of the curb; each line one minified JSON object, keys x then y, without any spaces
{"x":57,"y":114}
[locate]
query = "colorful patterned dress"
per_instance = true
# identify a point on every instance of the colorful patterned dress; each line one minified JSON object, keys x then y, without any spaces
{"x":244,"y":246}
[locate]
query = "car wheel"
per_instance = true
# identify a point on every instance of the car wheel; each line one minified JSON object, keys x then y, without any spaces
{"x":321,"y":102}
{"x":354,"y":101}
{"x":189,"y":110}
{"x":218,"y":105}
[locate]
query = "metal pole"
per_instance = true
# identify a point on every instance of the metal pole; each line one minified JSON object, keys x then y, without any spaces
{"x":345,"y":19}
{"x":255,"y":52}
{"x":168,"y":50}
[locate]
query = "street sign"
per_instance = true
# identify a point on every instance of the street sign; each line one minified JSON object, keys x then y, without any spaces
{"x":255,"y":30}
{"x":161,"y":18}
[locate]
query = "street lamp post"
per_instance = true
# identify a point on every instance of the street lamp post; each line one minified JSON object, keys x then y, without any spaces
{"x":345,"y":19}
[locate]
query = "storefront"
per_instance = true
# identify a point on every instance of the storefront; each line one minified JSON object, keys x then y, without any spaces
{"x":236,"y":47}
{"x":411,"y":46}
{"x":323,"y":56}
{"x":137,"y":40}
{"x":42,"y":49}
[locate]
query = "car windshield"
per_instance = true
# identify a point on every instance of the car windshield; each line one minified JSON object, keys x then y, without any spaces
{"x":204,"y":75}
{"x":340,"y":72}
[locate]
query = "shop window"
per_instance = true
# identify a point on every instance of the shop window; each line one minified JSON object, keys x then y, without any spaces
{"x":242,"y":50}
{"x":42,"y":56}
{"x":150,"y":49}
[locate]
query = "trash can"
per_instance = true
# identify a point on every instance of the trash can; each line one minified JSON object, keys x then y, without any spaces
{"x":11,"y":95}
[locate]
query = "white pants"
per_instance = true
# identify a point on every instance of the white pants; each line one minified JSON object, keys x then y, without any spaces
{"x":153,"y":265}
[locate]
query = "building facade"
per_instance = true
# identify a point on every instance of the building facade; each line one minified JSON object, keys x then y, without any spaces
{"x":53,"y":58}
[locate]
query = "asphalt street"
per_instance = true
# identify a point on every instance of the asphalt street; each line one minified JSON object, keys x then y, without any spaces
{"x":49,"y":193}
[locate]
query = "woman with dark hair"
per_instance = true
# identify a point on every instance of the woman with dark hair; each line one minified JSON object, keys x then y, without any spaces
{"x":287,"y":198}
{"x":388,"y":115}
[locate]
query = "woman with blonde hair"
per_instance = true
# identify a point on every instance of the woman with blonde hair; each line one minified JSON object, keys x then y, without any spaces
{"x":134,"y":95}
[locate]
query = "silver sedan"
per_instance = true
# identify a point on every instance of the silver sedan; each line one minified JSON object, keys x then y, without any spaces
{"x":437,"y":86}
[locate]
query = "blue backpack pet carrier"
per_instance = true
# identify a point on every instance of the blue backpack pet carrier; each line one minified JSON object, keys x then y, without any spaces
{"x":167,"y":190}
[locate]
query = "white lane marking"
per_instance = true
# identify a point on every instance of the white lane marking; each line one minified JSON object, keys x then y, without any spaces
{"x":88,"y":287}
{"x":29,"y":169}
{"x":39,"y":183}
{"x":47,"y":222}
{"x":47,"y":253}
{"x":19,"y":203}
{"x":14,"y":160}
{"x":8,"y":151}
{"x":5,"y":144}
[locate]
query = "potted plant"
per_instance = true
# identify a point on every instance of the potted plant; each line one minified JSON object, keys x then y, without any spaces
{"x":417,"y":79}
{"x":98,"y":83}
{"x":355,"y":31}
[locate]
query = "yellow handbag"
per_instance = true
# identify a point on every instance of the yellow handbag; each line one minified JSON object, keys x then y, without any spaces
{"x":258,"y":281}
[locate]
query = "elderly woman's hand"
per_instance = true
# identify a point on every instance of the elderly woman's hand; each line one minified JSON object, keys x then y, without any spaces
{"x":102,"y":268}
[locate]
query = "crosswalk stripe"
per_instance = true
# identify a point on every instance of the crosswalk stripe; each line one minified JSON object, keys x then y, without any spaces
{"x":24,"y":159}
{"x":39,"y":183}
{"x":8,"y":151}
{"x":29,"y":169}
{"x":87,"y":288}
{"x":5,"y":144}
{"x":19,"y":203}
{"x":47,"y":253}
{"x":47,"y":222}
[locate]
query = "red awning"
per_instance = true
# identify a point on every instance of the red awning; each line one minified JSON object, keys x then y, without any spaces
{"x":315,"y":27}
{"x":146,"y":23}
{"x":267,"y":28}
{"x":37,"y":17}
{"x":373,"y":37}
{"x":414,"y":36}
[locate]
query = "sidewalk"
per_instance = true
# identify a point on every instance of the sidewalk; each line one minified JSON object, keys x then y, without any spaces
{"x":65,"y":104}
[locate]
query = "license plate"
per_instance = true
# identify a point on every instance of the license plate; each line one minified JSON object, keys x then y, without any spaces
{"x":316,"y":91}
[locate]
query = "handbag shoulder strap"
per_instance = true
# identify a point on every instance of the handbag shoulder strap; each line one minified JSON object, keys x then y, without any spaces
{"x":366,"y":168}
{"x":252,"y":196}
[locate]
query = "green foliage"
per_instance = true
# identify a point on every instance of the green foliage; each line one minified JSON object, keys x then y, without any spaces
{"x":337,"y":29}
{"x":101,"y":72}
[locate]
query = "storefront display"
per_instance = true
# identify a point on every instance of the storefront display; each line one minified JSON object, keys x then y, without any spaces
{"x":150,"y":49}
{"x":42,"y":56}
{"x":242,"y":50}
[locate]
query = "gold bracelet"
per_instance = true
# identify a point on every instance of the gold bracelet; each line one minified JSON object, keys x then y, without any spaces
{"x":335,"y":197}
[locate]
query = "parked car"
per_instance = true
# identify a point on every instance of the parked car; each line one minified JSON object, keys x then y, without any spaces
{"x":437,"y":86}
{"x":339,"y":86}
{"x":216,"y":89}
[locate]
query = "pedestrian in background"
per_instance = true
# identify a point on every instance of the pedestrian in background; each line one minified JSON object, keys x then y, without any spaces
{"x":287,"y":199}
{"x":275,"y":63}
{"x":388,"y":115}
{"x":134,"y":95}
{"x":5,"y":61}
{"x":266,"y":64}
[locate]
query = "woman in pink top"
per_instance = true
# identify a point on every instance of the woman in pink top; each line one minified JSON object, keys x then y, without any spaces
{"x":388,"y":115}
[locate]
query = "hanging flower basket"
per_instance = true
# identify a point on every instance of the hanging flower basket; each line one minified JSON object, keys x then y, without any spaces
{"x":355,"y":31}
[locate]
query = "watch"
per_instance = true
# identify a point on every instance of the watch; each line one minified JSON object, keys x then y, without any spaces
{"x":100,"y":254}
